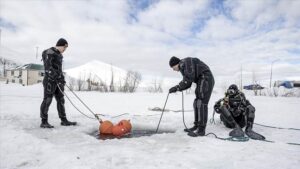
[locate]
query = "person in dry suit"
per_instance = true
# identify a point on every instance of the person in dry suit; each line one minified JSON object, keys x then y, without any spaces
{"x":52,"y":59}
{"x":194,"y":70}
{"x":237,"y":112}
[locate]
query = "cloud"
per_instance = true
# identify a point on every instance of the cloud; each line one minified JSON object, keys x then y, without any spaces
{"x":221,"y":28}
{"x":143,"y":35}
{"x":259,"y":13}
{"x":173,"y":17}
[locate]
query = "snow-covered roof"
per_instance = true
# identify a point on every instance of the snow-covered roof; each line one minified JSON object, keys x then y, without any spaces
{"x":30,"y":66}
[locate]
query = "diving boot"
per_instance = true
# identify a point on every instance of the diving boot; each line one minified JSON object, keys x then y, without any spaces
{"x":252,"y":134}
{"x":192,"y":128}
{"x":66,"y":122}
{"x":45,"y":124}
{"x":199,"y":132}
{"x":237,"y":132}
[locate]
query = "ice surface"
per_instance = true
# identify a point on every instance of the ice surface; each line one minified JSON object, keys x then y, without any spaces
{"x":24,"y":145}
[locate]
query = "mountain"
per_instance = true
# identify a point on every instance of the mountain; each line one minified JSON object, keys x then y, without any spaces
{"x":97,"y":71}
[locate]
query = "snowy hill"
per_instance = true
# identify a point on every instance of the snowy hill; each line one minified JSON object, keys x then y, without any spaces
{"x":97,"y":71}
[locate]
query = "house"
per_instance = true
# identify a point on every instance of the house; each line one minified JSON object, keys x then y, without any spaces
{"x":296,"y":83}
{"x":287,"y":84}
{"x":26,"y":75}
{"x":253,"y":87}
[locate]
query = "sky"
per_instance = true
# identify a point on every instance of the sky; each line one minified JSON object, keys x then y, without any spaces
{"x":229,"y":36}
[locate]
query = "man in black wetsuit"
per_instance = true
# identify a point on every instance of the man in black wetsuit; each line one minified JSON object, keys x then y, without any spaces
{"x":194,"y":70}
{"x":54,"y":77}
{"x":237,"y":112}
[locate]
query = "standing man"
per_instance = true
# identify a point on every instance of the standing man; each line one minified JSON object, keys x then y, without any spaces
{"x":54,"y":77}
{"x":194,"y":70}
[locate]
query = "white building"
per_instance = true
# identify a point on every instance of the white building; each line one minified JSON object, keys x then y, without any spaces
{"x":26,"y":75}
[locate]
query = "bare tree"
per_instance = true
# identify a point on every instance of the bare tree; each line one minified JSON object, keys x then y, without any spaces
{"x":101,"y":85}
{"x":156,"y":86}
{"x":111,"y":86}
{"x":5,"y":63}
{"x":71,"y":82}
{"x":120,"y":86}
{"x":89,"y":82}
{"x":275,"y":91}
{"x":254,"y":82}
{"x":136,"y":79}
{"x":132,"y":81}
{"x":80,"y":81}
{"x":224,"y":87}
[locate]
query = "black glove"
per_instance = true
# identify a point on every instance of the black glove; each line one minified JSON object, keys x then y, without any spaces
{"x":217,"y":108}
{"x":61,"y":80}
{"x":173,"y":89}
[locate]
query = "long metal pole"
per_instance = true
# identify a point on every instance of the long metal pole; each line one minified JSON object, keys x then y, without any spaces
{"x":241,"y":88}
{"x":1,"y":56}
{"x":0,"y":43}
{"x":37,"y":51}
{"x":162,"y":113}
{"x":272,"y":72}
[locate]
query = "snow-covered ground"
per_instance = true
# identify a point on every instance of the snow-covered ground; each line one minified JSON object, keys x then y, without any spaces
{"x":24,"y":145}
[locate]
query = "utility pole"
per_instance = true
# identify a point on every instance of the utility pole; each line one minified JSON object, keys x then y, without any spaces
{"x":3,"y":60}
{"x":0,"y":43}
{"x":36,"y":55}
{"x":241,"y":88}
{"x":272,"y":72}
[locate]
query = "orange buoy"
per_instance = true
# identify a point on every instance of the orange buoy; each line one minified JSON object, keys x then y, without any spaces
{"x":105,"y":127}
{"x":119,"y":130}
{"x":126,"y":124}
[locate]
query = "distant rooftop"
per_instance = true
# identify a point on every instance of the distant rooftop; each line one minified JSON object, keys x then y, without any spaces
{"x":30,"y":66}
